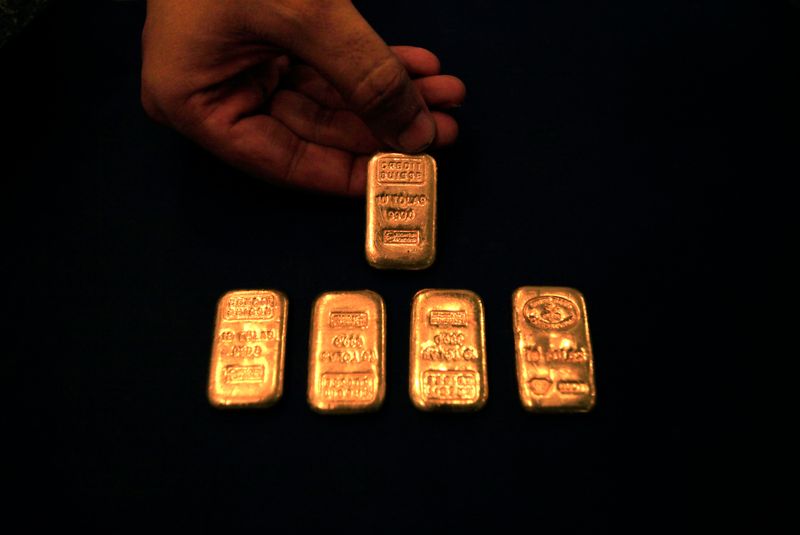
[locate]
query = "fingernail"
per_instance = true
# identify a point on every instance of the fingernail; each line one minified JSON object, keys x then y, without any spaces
{"x":419,"y":134}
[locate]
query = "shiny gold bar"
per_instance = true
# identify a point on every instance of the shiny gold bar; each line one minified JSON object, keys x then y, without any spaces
{"x":555,"y":368}
{"x":347,"y":347}
{"x":401,"y":211}
{"x":448,"y":351}
{"x":248,"y":351}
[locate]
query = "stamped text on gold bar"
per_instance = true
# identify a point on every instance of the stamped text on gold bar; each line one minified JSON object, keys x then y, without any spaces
{"x":401,"y":211}
{"x":555,"y":367}
{"x":248,"y":350}
{"x":448,"y":351}
{"x":347,"y":346}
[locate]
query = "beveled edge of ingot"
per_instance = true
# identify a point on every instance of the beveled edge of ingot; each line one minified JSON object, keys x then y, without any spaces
{"x":370,"y":252}
{"x":573,"y":292}
{"x":381,"y":394}
{"x":268,"y":401}
{"x":442,"y":407}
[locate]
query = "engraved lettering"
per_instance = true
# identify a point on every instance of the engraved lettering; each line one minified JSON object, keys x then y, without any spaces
{"x":454,"y":318}
{"x":400,"y":237}
{"x":450,"y":385}
{"x":348,"y":356}
{"x":402,"y":198}
{"x":347,"y":386}
{"x":401,"y":171}
{"x":573,"y":387}
{"x":341,"y":319}
{"x":392,"y":214}
{"x":241,"y":351}
{"x":243,"y":374}
{"x":537,"y":354}
{"x":249,"y":307}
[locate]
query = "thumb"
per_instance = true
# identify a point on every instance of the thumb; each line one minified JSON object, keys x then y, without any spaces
{"x":342,"y":46}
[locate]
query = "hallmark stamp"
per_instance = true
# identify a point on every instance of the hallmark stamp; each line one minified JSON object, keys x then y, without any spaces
{"x":453,"y":318}
{"x":400,"y":237}
{"x":243,"y":374}
{"x":551,"y":312}
{"x":342,"y":319}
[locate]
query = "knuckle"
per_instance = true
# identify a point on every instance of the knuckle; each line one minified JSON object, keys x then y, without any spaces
{"x":381,"y":88}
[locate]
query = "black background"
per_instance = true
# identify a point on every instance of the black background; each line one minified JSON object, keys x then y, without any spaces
{"x":637,"y":151}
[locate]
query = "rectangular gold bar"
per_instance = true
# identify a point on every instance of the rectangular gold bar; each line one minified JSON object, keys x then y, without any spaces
{"x":401,"y":211}
{"x":448,"y":351}
{"x":347,"y":346}
{"x":555,"y":367}
{"x":248,"y":351}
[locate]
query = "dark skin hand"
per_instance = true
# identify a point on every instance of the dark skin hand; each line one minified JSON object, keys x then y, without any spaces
{"x":300,"y":92}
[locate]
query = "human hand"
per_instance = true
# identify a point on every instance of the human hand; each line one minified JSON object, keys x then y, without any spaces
{"x":294,"y":91}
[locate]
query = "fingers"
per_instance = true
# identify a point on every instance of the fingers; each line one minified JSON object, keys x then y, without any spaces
{"x":308,"y":81}
{"x":446,"y":129}
{"x":341,"y":129}
{"x":264,"y":147}
{"x":368,"y":75}
{"x":417,"y":61}
{"x":442,"y":91}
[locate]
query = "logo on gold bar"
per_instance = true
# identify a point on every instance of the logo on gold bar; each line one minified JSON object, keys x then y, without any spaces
{"x":453,"y":318}
{"x":243,"y":374}
{"x":551,"y":312}
{"x":401,"y":171}
{"x":400,"y":237}
{"x":249,"y":307}
{"x":340,"y":319}
{"x":540,"y":385}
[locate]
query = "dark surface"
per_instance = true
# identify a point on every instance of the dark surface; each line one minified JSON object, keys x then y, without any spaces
{"x":634,"y":151}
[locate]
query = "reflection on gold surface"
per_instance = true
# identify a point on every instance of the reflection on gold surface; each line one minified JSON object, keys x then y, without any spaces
{"x":448,"y":351}
{"x":555,"y":368}
{"x":401,"y":211}
{"x":347,"y":346}
{"x":248,"y":350}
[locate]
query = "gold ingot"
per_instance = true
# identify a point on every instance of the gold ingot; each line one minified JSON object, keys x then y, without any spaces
{"x":347,"y":347}
{"x":555,"y":368}
{"x":248,"y":351}
{"x":448,"y":351}
{"x":401,"y":211}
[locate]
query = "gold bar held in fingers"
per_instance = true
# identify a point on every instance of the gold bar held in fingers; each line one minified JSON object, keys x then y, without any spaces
{"x":401,"y":211}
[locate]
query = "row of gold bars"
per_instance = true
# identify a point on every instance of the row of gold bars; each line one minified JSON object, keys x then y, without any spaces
{"x":347,"y":350}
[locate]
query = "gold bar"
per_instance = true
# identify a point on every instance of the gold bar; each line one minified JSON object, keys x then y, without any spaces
{"x":347,"y":347}
{"x":555,"y":368}
{"x":401,"y":211}
{"x":248,"y":351}
{"x":448,"y":351}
